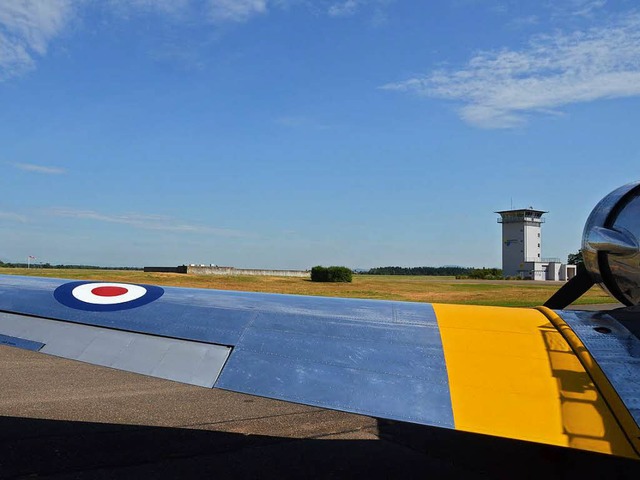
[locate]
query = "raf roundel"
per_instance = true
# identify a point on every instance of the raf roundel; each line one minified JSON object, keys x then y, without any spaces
{"x":106,"y":297}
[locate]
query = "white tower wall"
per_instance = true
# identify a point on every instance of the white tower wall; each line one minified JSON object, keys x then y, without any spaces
{"x":532,"y":242}
{"x":512,"y":249}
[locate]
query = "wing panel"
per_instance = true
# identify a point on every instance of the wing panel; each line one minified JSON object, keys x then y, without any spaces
{"x":379,"y":329}
{"x":366,"y":392}
{"x":184,"y":361}
{"x":609,"y":351}
{"x":364,"y":350}
{"x":389,"y":369}
{"x":616,"y":350}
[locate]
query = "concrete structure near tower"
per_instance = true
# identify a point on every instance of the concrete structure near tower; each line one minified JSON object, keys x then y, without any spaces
{"x":522,"y":247}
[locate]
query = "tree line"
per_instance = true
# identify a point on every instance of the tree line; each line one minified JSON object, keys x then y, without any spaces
{"x":431,"y":271}
{"x":451,"y":271}
{"x":62,"y":266}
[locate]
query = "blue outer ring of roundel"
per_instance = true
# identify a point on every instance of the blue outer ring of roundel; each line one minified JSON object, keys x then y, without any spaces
{"x":63,"y":295}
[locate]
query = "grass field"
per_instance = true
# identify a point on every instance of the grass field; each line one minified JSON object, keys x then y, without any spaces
{"x":386,"y":287}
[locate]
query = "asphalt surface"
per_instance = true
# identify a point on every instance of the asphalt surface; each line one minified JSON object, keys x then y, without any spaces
{"x":65,"y":419}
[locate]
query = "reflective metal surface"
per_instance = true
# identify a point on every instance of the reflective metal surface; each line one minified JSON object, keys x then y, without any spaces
{"x":613,"y":242}
{"x":615,"y":349}
{"x":372,"y":357}
{"x":187,"y":362}
{"x":610,"y":243}
{"x":189,"y":314}
{"x":390,"y":366}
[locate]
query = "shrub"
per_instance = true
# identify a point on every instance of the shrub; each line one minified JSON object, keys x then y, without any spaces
{"x":340,"y":274}
{"x":486,"y":274}
{"x":331,"y":274}
{"x":319,"y":274}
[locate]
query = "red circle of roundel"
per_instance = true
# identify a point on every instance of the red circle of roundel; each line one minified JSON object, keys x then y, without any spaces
{"x":104,"y":296}
{"x":109,"y":291}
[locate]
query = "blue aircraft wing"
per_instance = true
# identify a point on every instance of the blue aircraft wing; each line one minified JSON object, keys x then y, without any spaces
{"x":345,"y":354}
{"x":515,"y":373}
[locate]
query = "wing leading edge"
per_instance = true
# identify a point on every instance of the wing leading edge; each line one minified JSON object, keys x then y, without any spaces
{"x":498,"y":371}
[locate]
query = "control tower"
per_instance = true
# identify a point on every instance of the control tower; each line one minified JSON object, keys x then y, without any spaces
{"x":521,"y":240}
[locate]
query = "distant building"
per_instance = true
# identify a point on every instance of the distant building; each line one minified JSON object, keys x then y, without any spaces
{"x":522,"y":247}
{"x":213,"y":269}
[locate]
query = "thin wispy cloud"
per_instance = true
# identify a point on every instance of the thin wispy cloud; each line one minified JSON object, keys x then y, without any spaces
{"x":524,"y":22}
{"x":500,"y":89}
{"x":46,"y":170}
{"x":12,"y":217}
{"x":344,"y":8}
{"x":581,"y":8}
{"x":215,"y":11}
{"x":26,"y":28}
{"x":222,"y":11}
{"x":147,"y":222}
{"x":169,"y":7}
{"x":348,"y":8}
{"x":235,"y":10}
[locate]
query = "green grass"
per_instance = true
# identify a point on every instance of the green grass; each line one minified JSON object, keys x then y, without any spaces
{"x":384,"y":287}
{"x":478,"y":287}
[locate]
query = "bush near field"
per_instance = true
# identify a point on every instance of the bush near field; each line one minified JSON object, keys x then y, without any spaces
{"x":331,"y":274}
{"x":484,"y":274}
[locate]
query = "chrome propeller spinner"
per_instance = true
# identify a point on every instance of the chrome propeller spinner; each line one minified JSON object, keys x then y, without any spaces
{"x":610,"y":244}
{"x":610,"y":249}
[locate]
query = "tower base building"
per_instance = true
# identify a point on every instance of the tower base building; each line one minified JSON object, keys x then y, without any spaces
{"x":522,"y":248}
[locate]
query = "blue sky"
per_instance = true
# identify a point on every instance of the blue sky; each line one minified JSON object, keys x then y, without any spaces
{"x":290,"y":133}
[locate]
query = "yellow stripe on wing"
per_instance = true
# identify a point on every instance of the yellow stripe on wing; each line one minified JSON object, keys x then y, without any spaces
{"x":512,"y":374}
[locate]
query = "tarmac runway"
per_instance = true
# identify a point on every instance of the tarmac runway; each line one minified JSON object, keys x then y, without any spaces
{"x":65,"y":419}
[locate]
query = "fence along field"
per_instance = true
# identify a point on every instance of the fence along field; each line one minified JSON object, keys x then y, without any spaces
{"x":384,"y":287}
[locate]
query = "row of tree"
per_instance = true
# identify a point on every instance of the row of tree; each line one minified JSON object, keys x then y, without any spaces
{"x":74,"y":267}
{"x":460,"y":272}
{"x":484,"y":274}
{"x":451,"y":271}
{"x":431,"y":271}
